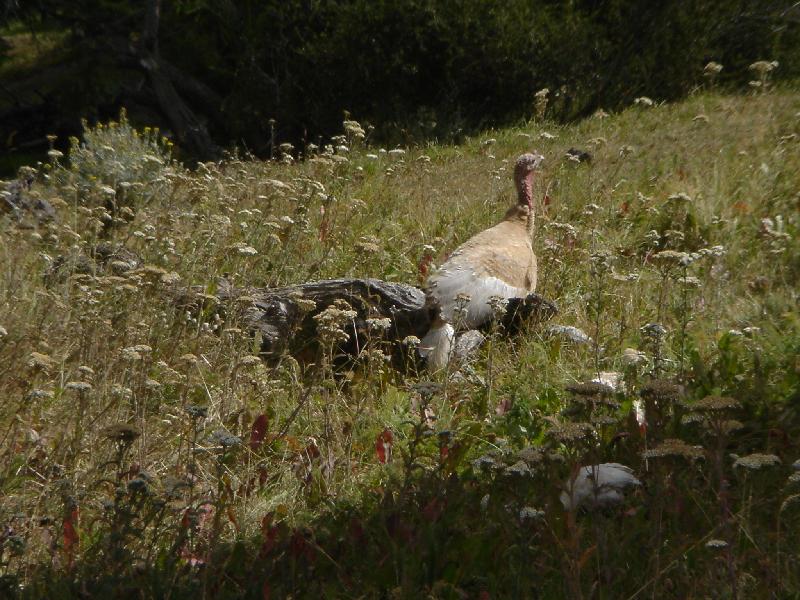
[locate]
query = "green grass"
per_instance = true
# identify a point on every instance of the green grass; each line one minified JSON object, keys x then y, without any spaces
{"x":312,"y":511}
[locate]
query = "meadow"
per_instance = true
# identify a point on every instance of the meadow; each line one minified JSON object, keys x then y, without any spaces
{"x":147,"y":449}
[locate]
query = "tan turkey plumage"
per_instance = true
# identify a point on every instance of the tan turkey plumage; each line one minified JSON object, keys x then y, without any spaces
{"x":498,"y":261}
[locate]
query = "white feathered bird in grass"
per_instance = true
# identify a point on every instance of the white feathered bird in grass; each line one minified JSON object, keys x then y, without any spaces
{"x":598,"y":486}
{"x":497,"y":262}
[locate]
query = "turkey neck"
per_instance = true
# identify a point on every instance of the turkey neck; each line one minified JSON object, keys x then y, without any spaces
{"x":523,"y":209}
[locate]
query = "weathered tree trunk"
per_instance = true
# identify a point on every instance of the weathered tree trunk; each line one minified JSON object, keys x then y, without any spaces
{"x":284,"y":325}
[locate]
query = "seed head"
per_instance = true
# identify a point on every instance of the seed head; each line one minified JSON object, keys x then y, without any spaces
{"x":411,"y":341}
{"x":40,"y":361}
{"x":570,"y":432}
{"x":712,"y":404}
{"x":756,"y":462}
{"x":121,"y":432}
{"x":661,"y":390}
{"x":590,"y":389}
{"x":79,"y":386}
{"x":674,"y":448}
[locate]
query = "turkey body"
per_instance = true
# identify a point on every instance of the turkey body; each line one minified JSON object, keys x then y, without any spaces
{"x":598,"y":486}
{"x":497,"y":262}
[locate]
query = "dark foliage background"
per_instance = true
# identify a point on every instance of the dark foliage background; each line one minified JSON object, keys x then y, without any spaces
{"x":415,"y":69}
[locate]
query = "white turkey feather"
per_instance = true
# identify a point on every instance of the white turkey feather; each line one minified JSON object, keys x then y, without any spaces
{"x":451,"y":281}
{"x":598,"y":486}
{"x":437,"y":345}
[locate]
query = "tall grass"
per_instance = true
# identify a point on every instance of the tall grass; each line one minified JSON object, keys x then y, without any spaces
{"x":146,"y":449}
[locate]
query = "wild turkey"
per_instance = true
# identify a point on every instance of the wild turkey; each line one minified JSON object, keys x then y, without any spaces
{"x":598,"y":486}
{"x":498,"y":261}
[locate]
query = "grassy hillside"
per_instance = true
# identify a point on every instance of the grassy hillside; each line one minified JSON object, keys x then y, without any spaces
{"x":145,"y":449}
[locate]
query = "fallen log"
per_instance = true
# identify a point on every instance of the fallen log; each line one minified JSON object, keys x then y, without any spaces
{"x":285,"y":320}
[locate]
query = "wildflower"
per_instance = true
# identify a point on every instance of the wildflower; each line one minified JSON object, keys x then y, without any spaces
{"x":188,"y":359}
{"x":712,"y":251}
{"x":531,"y":455}
{"x":715,"y":404}
{"x":485,"y":462}
{"x":499,"y":305}
{"x":131,"y":354}
{"x":691,"y":282}
{"x":121,"y":391}
{"x":755,"y":462}
{"x":367,"y":245}
{"x":712,"y":69}
{"x":611,"y":379}
{"x":661,"y":390}
{"x":331,"y":320}
{"x":679,"y":197}
{"x":170,"y":278}
{"x":573,"y":334}
{"x":546,"y":136}
{"x":632,"y":357}
{"x":670,"y":258}
{"x":528,"y":513}
{"x":626,"y":150}
{"x":397,"y":153}
{"x":249,"y":361}
{"x":654,"y":330}
{"x":39,"y":395}
{"x":197,"y":412}
{"x":354,"y":129}
{"x":643,"y":101}
{"x":37,"y":360}
{"x":121,"y":432}
{"x":716,"y":544}
{"x":489,"y":142}
{"x":225,"y":439}
{"x":570,"y":432}
{"x":379,"y":324}
{"x":3,"y":332}
{"x":519,"y":468}
{"x":152,"y":384}
{"x":600,"y":114}
{"x":86,"y":371}
{"x":427,"y":389}
{"x":674,"y":448}
{"x":54,"y":154}
{"x":78,"y":386}
{"x":303,"y":304}
{"x":411,"y":341}
{"x":762,"y":67}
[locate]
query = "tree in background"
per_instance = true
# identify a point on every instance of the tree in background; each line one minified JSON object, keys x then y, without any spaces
{"x":215,"y":73}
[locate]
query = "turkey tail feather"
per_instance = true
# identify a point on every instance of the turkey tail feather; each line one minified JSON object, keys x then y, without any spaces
{"x":437,"y":345}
